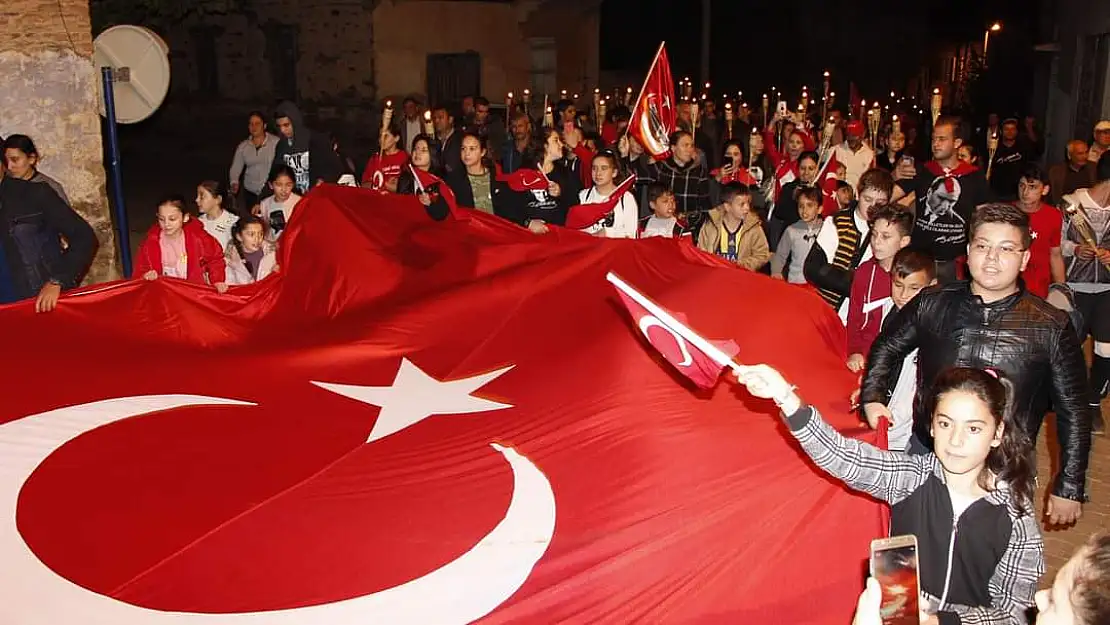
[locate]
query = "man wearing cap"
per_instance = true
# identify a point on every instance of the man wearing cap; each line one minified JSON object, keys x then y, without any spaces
{"x":1101,"y":142}
{"x":853,"y":154}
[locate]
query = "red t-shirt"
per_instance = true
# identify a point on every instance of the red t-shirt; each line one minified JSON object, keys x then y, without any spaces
{"x":1044,"y":227}
{"x":383,"y":167}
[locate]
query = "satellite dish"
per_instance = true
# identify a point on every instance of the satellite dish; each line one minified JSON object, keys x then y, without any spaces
{"x":140,"y":62}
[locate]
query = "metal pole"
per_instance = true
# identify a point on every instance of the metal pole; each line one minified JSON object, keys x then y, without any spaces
{"x":706,"y":25}
{"x":122,"y":230}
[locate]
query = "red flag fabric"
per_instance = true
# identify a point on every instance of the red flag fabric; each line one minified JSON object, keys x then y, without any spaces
{"x":685,"y":356}
{"x":410,"y":408}
{"x":439,"y":189}
{"x":585,"y":215}
{"x":653,"y":117}
{"x":526,"y":179}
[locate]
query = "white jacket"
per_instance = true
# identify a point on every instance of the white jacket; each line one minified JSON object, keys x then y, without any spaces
{"x":626,"y":215}
{"x":237,"y":272}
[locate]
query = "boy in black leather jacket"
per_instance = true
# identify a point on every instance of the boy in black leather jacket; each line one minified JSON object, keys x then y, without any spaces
{"x":993,"y":322}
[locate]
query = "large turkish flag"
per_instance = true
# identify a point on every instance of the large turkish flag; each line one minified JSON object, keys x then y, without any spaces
{"x":441,"y":422}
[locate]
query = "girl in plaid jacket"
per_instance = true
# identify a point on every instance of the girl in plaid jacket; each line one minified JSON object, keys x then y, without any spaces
{"x":970,"y":503}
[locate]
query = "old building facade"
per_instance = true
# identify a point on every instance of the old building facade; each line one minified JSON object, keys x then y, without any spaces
{"x":1073,"y":84}
{"x":341,"y":57}
{"x":50,"y":94}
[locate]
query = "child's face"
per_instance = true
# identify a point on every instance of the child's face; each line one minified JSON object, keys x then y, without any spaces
{"x":207,"y":203}
{"x":170,"y":219}
{"x":844,"y":196}
{"x":807,"y":170}
{"x":870,"y":198}
{"x":421,"y":155}
{"x":283,"y":188}
{"x":603,"y":171}
{"x":897,"y":142}
{"x":964,"y":432}
{"x":886,"y":240}
{"x":733,"y":156}
{"x":739,"y":207}
{"x":808,"y":210}
{"x":1031,"y":192}
{"x":902,"y":290}
{"x":250,"y":237}
{"x":388,"y":141}
{"x":841,"y":171}
{"x":664,"y":206}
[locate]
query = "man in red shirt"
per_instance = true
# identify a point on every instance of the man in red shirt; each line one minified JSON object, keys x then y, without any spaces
{"x":1046,"y":262}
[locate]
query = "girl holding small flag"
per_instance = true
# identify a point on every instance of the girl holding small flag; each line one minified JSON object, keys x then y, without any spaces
{"x":621,"y":222}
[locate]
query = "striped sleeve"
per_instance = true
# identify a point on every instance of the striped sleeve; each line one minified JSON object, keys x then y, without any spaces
{"x":886,"y":475}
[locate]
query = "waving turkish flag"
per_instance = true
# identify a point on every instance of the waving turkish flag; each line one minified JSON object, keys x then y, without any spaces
{"x":702,"y":364}
{"x":437,"y":189}
{"x":653,"y":117}
{"x":585,"y":215}
{"x":526,"y":179}
{"x":419,"y":422}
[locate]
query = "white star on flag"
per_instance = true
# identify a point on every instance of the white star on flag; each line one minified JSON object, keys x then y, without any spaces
{"x":415,"y":396}
{"x":1033,"y":234}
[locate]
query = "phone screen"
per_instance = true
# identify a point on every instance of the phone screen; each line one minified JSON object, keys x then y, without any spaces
{"x":895,"y":568}
{"x":782,"y":107}
{"x":907,"y":159}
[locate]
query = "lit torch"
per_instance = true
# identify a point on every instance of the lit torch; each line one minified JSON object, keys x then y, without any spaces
{"x":429,"y":129}
{"x":992,"y":147}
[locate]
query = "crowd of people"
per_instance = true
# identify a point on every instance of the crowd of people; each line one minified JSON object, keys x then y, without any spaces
{"x":968,"y":280}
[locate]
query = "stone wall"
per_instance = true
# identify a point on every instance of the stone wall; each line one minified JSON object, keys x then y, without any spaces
{"x":351,"y":54}
{"x":49,"y":93}
{"x":402,"y":47}
{"x":333,"y":41}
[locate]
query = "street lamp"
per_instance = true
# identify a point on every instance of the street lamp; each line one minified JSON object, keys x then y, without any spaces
{"x":995,"y":27}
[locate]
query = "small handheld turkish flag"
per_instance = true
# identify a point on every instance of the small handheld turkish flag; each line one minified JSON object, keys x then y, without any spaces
{"x":697,"y":358}
{"x":525,"y":179}
{"x":585,"y":215}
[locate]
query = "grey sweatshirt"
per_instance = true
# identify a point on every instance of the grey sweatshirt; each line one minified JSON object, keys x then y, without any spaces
{"x":795,"y":244}
{"x":253,"y":163}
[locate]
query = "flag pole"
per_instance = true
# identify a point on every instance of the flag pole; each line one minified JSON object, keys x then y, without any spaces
{"x":651,"y":69}
{"x":678,"y":327}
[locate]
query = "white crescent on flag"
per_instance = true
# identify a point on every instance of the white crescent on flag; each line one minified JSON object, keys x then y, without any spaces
{"x":648,"y":322}
{"x":459,"y":592}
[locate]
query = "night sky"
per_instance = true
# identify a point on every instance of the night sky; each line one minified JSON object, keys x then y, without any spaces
{"x":787,"y":43}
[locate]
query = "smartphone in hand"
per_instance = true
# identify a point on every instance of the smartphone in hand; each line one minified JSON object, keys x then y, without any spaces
{"x":894,"y":566}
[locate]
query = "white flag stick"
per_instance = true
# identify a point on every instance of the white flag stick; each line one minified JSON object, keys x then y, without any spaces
{"x":673,"y":324}
{"x":416,"y":180}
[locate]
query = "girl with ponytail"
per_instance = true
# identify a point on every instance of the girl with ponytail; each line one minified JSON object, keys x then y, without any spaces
{"x":969,"y":503}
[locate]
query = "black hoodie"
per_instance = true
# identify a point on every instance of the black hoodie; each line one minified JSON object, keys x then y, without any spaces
{"x":308,"y":153}
{"x":32,"y":216}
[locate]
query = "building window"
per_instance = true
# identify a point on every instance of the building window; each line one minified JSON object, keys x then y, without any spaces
{"x":1091,"y":86}
{"x":282,"y":52}
{"x":543,"y":65}
{"x":451,"y":77}
{"x":205,"y":49}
